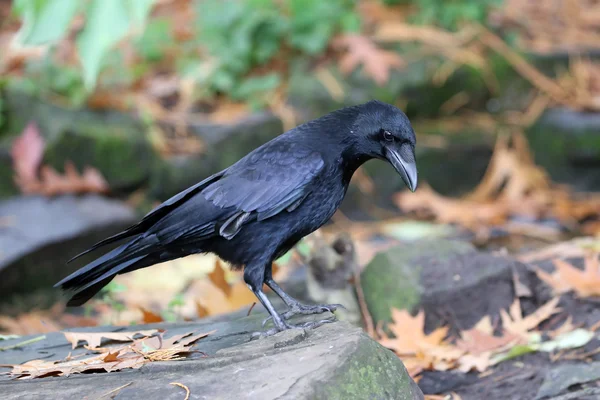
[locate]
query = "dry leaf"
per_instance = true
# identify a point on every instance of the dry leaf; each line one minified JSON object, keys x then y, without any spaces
{"x":408,"y":331}
{"x":148,"y":317}
{"x":27,"y":153}
{"x":135,"y":355}
{"x":95,"y":338}
{"x":477,"y":342}
{"x":566,"y":277}
{"x":217,"y":277}
{"x":34,"y":322}
{"x":514,"y":322}
{"x":360,"y":50}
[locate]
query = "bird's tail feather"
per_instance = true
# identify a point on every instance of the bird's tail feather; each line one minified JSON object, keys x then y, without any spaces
{"x":87,"y":281}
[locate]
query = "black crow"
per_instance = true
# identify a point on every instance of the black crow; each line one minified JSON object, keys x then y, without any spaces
{"x":257,"y":209}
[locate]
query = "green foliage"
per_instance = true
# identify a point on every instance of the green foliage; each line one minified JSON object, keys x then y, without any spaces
{"x":107,"y":22}
{"x":450,"y":13}
{"x":44,"y":21}
{"x":108,"y":293}
{"x":46,"y":79}
{"x":155,"y":40}
{"x":243,"y":34}
{"x":173,"y":311}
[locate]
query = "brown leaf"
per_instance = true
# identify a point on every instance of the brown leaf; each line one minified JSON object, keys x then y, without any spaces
{"x":514,"y":322}
{"x":217,"y":277}
{"x":566,"y":277}
{"x":360,"y":50}
{"x":148,"y":317}
{"x":27,"y":153}
{"x":95,"y":338}
{"x":135,"y":355}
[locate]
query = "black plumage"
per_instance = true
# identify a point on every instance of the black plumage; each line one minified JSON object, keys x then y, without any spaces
{"x":257,"y":209}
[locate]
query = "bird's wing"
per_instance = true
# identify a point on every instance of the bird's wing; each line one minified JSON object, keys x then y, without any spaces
{"x":155,"y":215}
{"x":265,"y":183}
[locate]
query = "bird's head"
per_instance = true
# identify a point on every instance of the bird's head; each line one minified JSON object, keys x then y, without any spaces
{"x":383,"y":131}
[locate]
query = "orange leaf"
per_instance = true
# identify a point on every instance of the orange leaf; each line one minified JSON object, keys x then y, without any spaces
{"x":377,"y":63}
{"x":148,"y":317}
{"x":566,"y":277}
{"x":217,"y":277}
{"x":514,"y":322}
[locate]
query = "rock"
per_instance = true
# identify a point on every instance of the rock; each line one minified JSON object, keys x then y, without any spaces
{"x":334,"y":361}
{"x":567,"y":144}
{"x":451,"y":281}
{"x":114,"y":143}
{"x":560,"y":378}
{"x":38,"y":235}
{"x":330,"y":271}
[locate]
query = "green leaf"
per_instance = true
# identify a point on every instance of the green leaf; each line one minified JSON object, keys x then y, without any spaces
{"x":569,"y":340}
{"x":514,"y":352}
{"x":44,"y":21}
{"x":256,"y":85}
{"x":412,"y":230}
{"x":139,"y":10}
{"x":107,"y":23}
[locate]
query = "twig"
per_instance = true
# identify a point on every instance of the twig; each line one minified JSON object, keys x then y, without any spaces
{"x":181,"y":385}
{"x":368,"y":319}
{"x":115,"y":390}
{"x":524,"y":68}
{"x":251,"y":308}
{"x":24,"y":343}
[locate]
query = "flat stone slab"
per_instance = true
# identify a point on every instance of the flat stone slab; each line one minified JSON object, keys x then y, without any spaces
{"x":334,"y":361}
{"x":38,"y":235}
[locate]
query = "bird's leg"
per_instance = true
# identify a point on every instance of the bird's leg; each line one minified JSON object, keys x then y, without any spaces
{"x":278,"y":321}
{"x":297,"y":308}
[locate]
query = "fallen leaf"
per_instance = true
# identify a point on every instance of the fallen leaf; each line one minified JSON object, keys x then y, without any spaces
{"x":360,"y":50}
{"x":514,"y":322}
{"x":148,"y":317}
{"x":94,"y":339}
{"x":27,"y":153}
{"x":566,"y":277}
{"x":217,"y":277}
{"x":115,"y":358}
{"x":408,"y":331}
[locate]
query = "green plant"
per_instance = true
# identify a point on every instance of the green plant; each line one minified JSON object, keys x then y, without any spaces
{"x":109,"y":297}
{"x":44,"y":78}
{"x":450,"y":13}
{"x":244,"y":34}
{"x":173,"y":311}
{"x":107,"y":22}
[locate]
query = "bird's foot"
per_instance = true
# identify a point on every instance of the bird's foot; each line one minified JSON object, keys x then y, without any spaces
{"x":302,"y":309}
{"x":286,"y":326}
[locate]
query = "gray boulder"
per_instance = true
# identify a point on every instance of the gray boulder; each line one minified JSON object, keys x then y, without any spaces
{"x":38,"y":235}
{"x":450,"y":280}
{"x":334,"y":361}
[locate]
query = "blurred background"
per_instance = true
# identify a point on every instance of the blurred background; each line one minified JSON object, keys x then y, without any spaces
{"x":108,"y":108}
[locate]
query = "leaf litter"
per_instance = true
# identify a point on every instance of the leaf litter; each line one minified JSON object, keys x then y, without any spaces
{"x":152,"y":346}
{"x":566,"y":277}
{"x":513,"y":186}
{"x":480,"y":347}
{"x":34,"y":178}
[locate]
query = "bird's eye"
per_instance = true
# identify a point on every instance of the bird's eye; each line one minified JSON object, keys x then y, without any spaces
{"x":388,"y":136}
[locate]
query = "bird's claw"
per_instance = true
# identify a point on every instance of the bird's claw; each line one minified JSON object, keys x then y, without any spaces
{"x":306,"y":325}
{"x":301,"y":309}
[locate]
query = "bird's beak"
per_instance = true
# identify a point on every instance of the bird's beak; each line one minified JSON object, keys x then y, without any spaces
{"x":403,"y":160}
